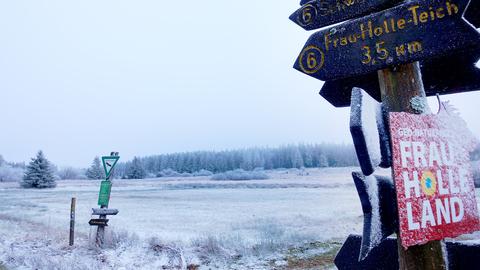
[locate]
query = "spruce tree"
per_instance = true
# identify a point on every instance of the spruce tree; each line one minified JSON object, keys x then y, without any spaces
{"x":95,"y":171}
{"x":136,"y":170}
{"x":39,"y":173}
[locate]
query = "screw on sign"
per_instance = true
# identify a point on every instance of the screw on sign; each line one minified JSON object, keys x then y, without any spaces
{"x":413,"y":31}
{"x":433,"y":178}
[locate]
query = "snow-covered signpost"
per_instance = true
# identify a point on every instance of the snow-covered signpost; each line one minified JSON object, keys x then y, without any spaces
{"x":109,"y":163}
{"x":392,"y":42}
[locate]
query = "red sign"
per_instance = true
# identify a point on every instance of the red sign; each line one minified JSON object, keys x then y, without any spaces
{"x":433,"y":176}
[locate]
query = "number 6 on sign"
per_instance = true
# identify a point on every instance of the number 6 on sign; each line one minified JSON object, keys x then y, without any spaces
{"x":311,"y":59}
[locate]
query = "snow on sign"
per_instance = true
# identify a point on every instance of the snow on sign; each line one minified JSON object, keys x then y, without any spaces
{"x":433,"y":178}
{"x":108,"y":164}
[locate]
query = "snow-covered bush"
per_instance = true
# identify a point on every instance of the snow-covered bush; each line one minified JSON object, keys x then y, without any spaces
{"x":202,"y":173}
{"x":70,"y":173}
{"x":168,"y":173}
{"x":172,"y":173}
{"x":240,"y":175}
{"x":9,"y":173}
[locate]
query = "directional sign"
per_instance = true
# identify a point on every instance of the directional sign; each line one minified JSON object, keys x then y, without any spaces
{"x":98,"y":222}
{"x":369,"y":132}
{"x":473,"y":13}
{"x":433,"y":178}
{"x":108,"y":163}
{"x":377,"y":195}
{"x":104,"y":211}
{"x":413,"y":31}
{"x":461,"y":255}
{"x":104,"y":194}
{"x":437,"y":77}
{"x":315,"y":14}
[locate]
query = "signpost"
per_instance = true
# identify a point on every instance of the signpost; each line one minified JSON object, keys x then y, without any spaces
{"x":437,"y":77}
{"x":377,"y":195}
{"x":104,"y":194}
{"x":104,"y":211}
{"x":369,"y":132}
{"x":98,"y":222}
{"x":433,"y":178}
{"x":413,"y":31}
{"x":109,"y":163}
{"x":380,"y":53}
{"x":315,"y":14}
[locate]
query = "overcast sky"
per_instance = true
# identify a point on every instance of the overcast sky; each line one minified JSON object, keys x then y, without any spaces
{"x":82,"y":78}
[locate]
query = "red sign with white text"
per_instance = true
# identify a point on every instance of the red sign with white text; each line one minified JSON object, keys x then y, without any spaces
{"x":433,"y":176}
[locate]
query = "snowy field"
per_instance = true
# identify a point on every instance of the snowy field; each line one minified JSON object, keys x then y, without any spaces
{"x":294,"y":220}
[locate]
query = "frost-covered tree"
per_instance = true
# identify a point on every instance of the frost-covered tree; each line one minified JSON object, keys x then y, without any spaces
{"x":39,"y":173}
{"x":95,"y":171}
{"x":136,"y":169}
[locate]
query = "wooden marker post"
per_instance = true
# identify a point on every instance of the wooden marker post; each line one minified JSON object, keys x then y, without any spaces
{"x":72,"y":222}
{"x":402,"y":91}
{"x":109,"y":163}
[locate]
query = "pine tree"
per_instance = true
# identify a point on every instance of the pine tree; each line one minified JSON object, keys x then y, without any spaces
{"x":39,"y":173}
{"x":95,"y":171}
{"x":136,"y":170}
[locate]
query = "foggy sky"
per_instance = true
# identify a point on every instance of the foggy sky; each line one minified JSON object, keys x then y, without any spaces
{"x":82,"y":78}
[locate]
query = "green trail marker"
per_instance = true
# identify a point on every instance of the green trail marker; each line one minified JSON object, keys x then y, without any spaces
{"x":104,"y":195}
{"x":108,"y":163}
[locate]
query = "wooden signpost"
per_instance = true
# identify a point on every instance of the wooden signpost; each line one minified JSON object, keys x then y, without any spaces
{"x":413,"y":31}
{"x":315,"y":14}
{"x":383,"y":49}
{"x":109,"y":163}
{"x":437,"y":76}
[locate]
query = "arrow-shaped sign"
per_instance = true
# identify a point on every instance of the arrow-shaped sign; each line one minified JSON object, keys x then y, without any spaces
{"x":104,"y":211}
{"x":377,"y":196}
{"x":98,"y":222}
{"x":315,"y":14}
{"x":473,"y":13}
{"x":455,"y":73}
{"x":413,"y":31}
{"x":109,"y":163}
{"x":369,"y":133}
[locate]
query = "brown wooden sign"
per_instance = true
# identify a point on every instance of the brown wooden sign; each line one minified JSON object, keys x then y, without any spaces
{"x":98,"y":222}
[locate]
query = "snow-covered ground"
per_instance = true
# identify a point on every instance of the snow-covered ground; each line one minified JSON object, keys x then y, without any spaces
{"x":294,"y":220}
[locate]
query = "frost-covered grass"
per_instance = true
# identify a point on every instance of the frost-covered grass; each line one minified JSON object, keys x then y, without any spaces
{"x":290,"y":220}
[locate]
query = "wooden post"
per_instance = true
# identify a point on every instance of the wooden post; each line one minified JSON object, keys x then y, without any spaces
{"x":402,"y":91}
{"x":100,"y":239}
{"x":72,"y":221}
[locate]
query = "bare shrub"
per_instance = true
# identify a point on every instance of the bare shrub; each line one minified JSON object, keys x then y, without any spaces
{"x":173,"y":253}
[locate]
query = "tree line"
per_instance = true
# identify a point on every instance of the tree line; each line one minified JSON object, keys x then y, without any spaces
{"x":289,"y":156}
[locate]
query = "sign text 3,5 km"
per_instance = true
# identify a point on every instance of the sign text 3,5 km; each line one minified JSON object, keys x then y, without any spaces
{"x":413,"y":31}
